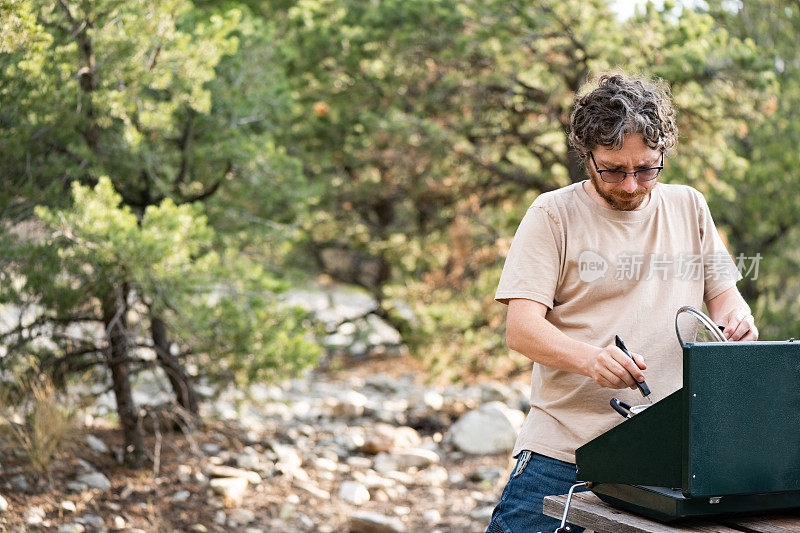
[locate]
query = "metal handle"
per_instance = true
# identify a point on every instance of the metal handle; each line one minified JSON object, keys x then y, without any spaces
{"x":704,"y":319}
{"x":621,"y":407}
{"x":563,"y":528}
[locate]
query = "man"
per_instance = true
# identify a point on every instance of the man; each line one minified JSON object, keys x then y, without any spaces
{"x":617,"y":254}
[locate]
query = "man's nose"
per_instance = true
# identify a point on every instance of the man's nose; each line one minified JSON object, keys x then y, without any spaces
{"x":629,"y":184}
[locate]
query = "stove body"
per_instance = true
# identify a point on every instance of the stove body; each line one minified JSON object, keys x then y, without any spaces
{"x":727,"y":442}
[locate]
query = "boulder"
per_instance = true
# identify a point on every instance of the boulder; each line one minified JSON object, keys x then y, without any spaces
{"x":353,"y":492}
{"x":231,"y":489}
{"x":221,"y":471}
{"x":492,"y":428}
{"x":369,"y":522}
{"x":386,"y":437}
{"x":95,"y":480}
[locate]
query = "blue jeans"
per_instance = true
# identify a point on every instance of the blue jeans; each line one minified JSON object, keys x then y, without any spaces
{"x":520,"y":506}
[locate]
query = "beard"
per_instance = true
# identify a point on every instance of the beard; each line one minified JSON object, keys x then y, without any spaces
{"x":621,"y":200}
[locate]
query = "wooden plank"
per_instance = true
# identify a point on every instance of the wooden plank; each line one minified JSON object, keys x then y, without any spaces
{"x":777,"y":523}
{"x":586,"y":510}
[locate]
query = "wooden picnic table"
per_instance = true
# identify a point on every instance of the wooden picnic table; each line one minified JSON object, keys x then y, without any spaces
{"x":587,"y":510}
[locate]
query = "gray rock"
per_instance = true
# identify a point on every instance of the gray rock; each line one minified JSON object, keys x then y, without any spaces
{"x":431,"y":516}
{"x":95,"y":480}
{"x":385,"y":437}
{"x":455,"y":478}
{"x":287,"y":510}
{"x":289,"y":460}
{"x":76,"y":486}
{"x":220,"y":471}
{"x":436,"y":492}
{"x":351,"y":404}
{"x":91,"y":520}
{"x":404,"y":459}
{"x":312,"y":489}
{"x":95,"y":444}
{"x":493,"y":391}
{"x":249,"y":460}
{"x":305,"y":521}
{"x":69,"y":506}
{"x":435,"y":476}
{"x":323,"y":463}
{"x":490,"y":429}
{"x":181,"y":496}
{"x":352,"y":439}
{"x":331,"y":307}
{"x":209,"y":448}
{"x":199,"y":528}
{"x":242,"y":516}
{"x":3,"y":505}
{"x":372,"y":480}
{"x":433,"y":400}
{"x":487,"y":474}
{"x":86,"y":466}
{"x":353,"y":492}
{"x":402,"y":478}
{"x":232,"y":489}
{"x":483,"y":514}
{"x":385,"y":463}
{"x":261,"y":392}
{"x":358,"y":462}
{"x":126,"y":491}
{"x":369,"y":522}
{"x":383,"y":383}
{"x":71,"y":528}
{"x":19,"y":482}
{"x":184,"y":473}
{"x":380,"y":332}
{"x":415,"y":458}
{"x":34,"y":516}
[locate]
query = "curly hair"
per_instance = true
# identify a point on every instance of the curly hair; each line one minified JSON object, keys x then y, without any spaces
{"x":621,"y":105}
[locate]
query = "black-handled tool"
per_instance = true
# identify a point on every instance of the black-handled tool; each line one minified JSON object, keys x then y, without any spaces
{"x":643,"y":388}
{"x":621,"y":407}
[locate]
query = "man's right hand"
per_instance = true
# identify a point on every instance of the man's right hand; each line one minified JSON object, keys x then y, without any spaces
{"x":611,"y":368}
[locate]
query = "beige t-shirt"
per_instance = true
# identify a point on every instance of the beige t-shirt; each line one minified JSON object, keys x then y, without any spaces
{"x":603,"y":272}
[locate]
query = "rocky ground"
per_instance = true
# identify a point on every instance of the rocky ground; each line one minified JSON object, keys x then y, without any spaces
{"x":370,"y":448}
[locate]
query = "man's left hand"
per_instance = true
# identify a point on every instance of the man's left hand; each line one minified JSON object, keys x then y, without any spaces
{"x":739,"y":325}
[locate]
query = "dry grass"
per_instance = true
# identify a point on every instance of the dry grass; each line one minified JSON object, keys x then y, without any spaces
{"x":40,"y":423}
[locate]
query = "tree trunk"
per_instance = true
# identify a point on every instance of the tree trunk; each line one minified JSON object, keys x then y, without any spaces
{"x":114,"y":310}
{"x":178,"y":378}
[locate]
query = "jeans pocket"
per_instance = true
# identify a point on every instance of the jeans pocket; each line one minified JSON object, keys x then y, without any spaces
{"x":496,"y":527}
{"x":522,"y":462}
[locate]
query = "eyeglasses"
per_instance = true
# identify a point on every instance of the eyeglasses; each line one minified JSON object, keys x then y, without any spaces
{"x":616,"y":176}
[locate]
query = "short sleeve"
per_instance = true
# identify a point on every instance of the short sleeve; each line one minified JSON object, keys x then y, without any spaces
{"x":719,"y":270}
{"x":531,"y":270}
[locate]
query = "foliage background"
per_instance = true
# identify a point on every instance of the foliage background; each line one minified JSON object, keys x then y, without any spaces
{"x":169,"y":168}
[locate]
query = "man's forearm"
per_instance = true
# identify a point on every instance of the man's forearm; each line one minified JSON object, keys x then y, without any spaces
{"x":529,"y":333}
{"x":537,"y":339}
{"x":731,"y":311}
{"x":724,"y":303}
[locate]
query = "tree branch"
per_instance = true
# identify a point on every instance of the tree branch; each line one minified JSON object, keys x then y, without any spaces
{"x":204,"y":195}
{"x":183,"y":144}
